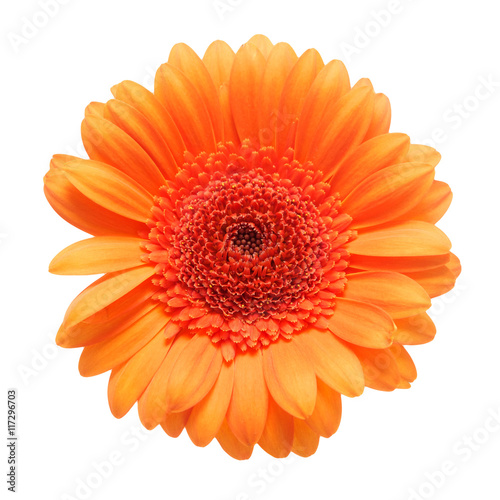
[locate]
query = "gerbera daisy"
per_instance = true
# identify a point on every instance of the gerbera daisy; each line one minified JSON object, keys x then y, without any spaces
{"x":267,"y":246}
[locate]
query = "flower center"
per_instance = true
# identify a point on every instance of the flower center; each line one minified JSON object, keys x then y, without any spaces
{"x":251,"y":242}
{"x":246,"y":238}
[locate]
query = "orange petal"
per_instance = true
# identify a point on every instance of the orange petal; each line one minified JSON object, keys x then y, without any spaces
{"x":290,"y":378}
{"x":334,"y":363}
{"x":277,"y":438}
{"x":137,"y":126}
{"x":187,"y":108}
{"x":423,"y":154}
{"x":193,"y":374}
{"x":127,"y":383}
{"x":173,"y":424}
{"x":111,"y":319}
{"x":244,"y":91}
{"x":230,"y":132}
{"x":319,"y":108}
{"x":110,"y":188}
{"x":405,"y":239}
{"x":350,"y":118}
{"x":105,"y":291}
{"x":435,"y":281}
{"x":153,"y":402}
{"x":95,"y":109}
{"x":263,"y":44}
{"x":454,"y":265}
{"x":397,"y":294}
{"x":281,"y":60}
{"x":398,"y":264}
{"x":231,"y":445}
{"x":247,"y":412}
{"x":144,"y":101}
{"x":294,"y":93}
{"x":405,"y":364}
{"x":379,"y":367}
{"x":370,"y":157}
{"x":388,"y":193}
{"x":361,"y":324}
{"x":102,"y":254}
{"x":185,"y":59}
{"x":415,"y":330}
{"x":433,"y":206}
{"x":207,"y":416}
{"x":325,"y":419}
{"x":305,"y":440}
{"x":381,"y":120}
{"x":107,"y":143}
{"x":218,"y":59}
{"x":78,"y":210}
{"x":105,"y":355}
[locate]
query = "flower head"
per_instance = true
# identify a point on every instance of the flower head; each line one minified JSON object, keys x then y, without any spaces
{"x":267,"y":245}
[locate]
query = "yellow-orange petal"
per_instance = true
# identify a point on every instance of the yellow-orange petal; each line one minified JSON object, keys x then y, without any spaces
{"x":102,"y":254}
{"x":290,"y":378}
{"x":231,"y":445}
{"x":277,"y":437}
{"x":137,"y":126}
{"x":432,"y":206}
{"x":334,"y":363}
{"x":351,"y":116}
{"x":369,"y":157}
{"x":144,"y":101}
{"x":361,"y":323}
{"x":325,"y":419}
{"x":185,"y":59}
{"x":110,"y":188}
{"x":381,"y":119}
{"x":193,"y":374}
{"x":379,"y":367}
{"x":404,"y":239}
{"x":305,"y":440}
{"x":387,"y":194}
{"x":187,"y":108}
{"x":101,"y":357}
{"x":207,"y":415}
{"x":107,"y":143}
{"x":319,"y":107}
{"x":153,"y":402}
{"x":247,"y":412}
{"x":128,"y":382}
{"x":278,"y":66}
{"x":263,"y":44}
{"x":244,"y":91}
{"x":78,"y":210}
{"x":104,"y":292}
{"x":295,"y":90}
{"x":415,"y":330}
{"x":397,"y":294}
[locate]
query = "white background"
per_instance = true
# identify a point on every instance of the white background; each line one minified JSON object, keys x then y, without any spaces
{"x":429,"y":57}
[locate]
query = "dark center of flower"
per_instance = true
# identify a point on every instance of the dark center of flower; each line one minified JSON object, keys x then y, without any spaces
{"x":246,"y":238}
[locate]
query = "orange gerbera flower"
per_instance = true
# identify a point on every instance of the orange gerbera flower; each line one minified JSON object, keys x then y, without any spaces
{"x":267,"y":246}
